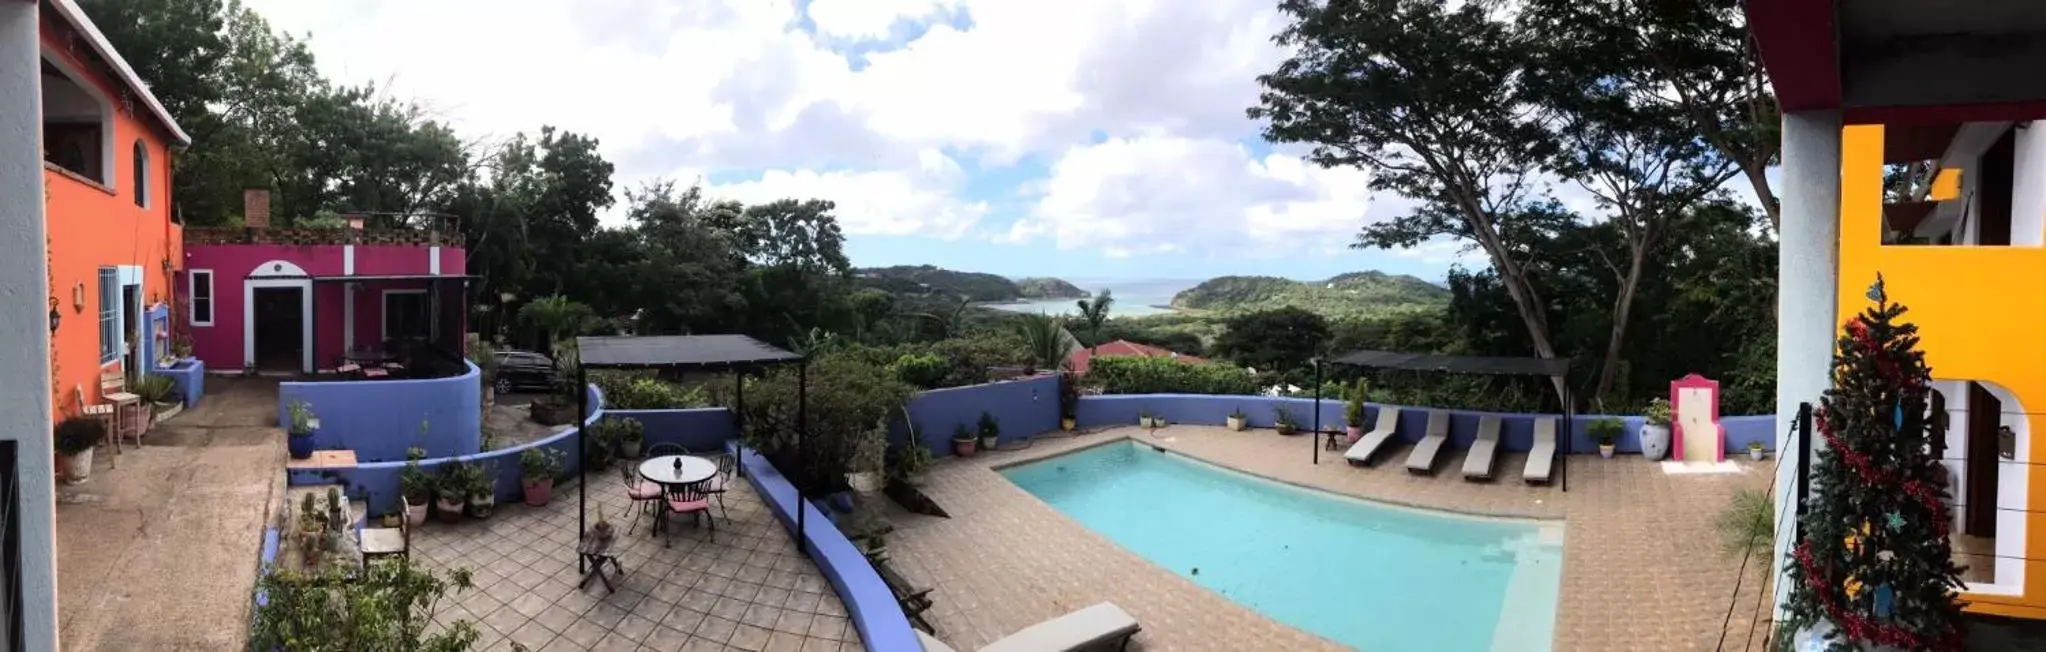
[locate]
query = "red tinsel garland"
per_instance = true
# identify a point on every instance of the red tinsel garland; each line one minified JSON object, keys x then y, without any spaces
{"x":1860,"y":628}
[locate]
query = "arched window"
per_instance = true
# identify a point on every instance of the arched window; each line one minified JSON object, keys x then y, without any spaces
{"x":141,"y":174}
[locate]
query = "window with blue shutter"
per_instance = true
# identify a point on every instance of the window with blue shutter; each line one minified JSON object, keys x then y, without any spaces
{"x":109,"y":315}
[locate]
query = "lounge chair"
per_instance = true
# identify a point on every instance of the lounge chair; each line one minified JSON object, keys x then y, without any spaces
{"x":1542,"y":457}
{"x":1477,"y":464}
{"x":1367,"y":445}
{"x":1422,"y":460}
{"x":1096,"y":626}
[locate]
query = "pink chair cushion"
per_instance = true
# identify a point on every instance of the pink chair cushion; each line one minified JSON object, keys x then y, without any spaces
{"x":686,"y":506}
{"x":642,"y":490}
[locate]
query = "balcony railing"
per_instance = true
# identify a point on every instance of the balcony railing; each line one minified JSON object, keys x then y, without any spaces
{"x":415,"y":230}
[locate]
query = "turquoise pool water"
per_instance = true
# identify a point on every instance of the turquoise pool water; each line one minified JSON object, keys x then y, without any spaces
{"x":1367,"y":575}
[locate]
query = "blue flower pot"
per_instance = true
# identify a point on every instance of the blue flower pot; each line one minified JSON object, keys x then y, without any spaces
{"x":301,"y":447}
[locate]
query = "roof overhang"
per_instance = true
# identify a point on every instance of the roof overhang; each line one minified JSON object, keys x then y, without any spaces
{"x":1903,"y":62}
{"x":392,"y":277}
{"x":69,"y":11}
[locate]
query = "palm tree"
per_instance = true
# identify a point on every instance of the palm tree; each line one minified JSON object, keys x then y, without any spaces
{"x":1095,"y":313}
{"x":1046,"y":340}
{"x":556,"y":317}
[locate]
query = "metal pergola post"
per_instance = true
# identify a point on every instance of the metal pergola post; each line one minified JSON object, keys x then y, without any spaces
{"x":582,"y":460}
{"x":739,"y":416}
{"x":1570,"y":430}
{"x":802,"y":432}
{"x":1317,"y":410}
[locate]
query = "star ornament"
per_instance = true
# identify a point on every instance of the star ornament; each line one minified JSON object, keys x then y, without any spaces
{"x":1875,"y":292}
{"x":1896,"y":521}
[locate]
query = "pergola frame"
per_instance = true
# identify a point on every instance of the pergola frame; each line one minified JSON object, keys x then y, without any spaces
{"x":738,"y":354}
{"x":1558,"y":368}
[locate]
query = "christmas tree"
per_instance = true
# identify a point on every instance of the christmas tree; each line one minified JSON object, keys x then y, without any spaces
{"x":1874,"y":559}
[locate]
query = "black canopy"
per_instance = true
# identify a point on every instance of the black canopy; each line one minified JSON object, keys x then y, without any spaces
{"x":1466,"y":364}
{"x":679,"y":351}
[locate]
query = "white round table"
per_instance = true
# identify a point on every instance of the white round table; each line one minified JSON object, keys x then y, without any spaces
{"x":662,"y":470}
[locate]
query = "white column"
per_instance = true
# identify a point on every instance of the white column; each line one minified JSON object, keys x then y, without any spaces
{"x":1807,"y":291}
{"x":25,"y":322}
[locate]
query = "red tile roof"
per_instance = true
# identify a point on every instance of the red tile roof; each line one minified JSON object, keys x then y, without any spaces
{"x":1124,"y":348}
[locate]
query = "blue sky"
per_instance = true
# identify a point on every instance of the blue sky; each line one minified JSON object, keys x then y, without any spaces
{"x":1020,"y":137}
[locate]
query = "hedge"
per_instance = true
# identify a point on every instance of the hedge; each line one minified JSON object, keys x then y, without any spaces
{"x":1135,"y":375}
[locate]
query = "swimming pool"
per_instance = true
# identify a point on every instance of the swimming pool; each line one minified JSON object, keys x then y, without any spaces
{"x":1368,"y":575}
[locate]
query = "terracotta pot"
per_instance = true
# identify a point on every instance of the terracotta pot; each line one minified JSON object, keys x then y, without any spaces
{"x":415,"y":513}
{"x":1353,"y":433}
{"x":539,"y":491}
{"x":964,"y":447}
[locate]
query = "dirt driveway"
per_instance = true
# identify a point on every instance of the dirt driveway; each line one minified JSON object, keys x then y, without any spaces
{"x":161,"y":553}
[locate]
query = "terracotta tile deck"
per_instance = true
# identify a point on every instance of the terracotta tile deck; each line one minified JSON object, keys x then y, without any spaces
{"x":1642,"y":568}
{"x":749,"y":589}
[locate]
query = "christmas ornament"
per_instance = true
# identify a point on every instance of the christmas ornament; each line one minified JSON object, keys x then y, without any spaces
{"x":1884,"y":601}
{"x":1897,"y":416}
{"x":1885,"y":555}
{"x":1896,"y":520}
{"x":1853,"y":587}
{"x":1875,"y":292}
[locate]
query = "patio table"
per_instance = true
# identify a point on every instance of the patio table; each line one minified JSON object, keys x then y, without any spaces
{"x":671,"y":471}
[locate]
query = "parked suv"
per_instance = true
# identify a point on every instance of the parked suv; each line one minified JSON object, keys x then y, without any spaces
{"x":518,"y":370}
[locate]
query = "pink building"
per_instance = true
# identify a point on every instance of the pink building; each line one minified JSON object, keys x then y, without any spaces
{"x":302,"y":300}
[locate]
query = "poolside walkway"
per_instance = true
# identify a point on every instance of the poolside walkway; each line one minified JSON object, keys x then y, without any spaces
{"x":1642,"y":568}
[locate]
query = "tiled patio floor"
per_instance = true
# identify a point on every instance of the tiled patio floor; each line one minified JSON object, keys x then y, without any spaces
{"x":750,"y":589}
{"x":1642,"y":569}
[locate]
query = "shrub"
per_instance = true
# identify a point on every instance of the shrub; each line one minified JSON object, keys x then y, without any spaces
{"x":921,"y":370}
{"x":846,"y":397}
{"x":623,"y":391}
{"x":1605,"y":431}
{"x":75,"y":435}
{"x":540,"y":462}
{"x":1748,"y":526}
{"x":1132,"y":375}
{"x":157,"y":388}
{"x":1353,"y":409}
{"x":390,"y":605}
{"x":1657,"y":413}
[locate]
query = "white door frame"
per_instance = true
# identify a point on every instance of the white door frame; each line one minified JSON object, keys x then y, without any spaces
{"x":384,"y":310}
{"x":278,"y":274}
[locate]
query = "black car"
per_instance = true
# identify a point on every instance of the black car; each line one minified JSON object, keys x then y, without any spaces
{"x":518,"y":370}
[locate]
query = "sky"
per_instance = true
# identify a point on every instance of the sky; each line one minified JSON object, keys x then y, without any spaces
{"x":1019,"y":137}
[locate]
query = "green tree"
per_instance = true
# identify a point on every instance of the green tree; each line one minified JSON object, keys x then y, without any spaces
{"x":1874,"y":560}
{"x":1428,"y":98}
{"x":1095,"y":313}
{"x":1046,"y":341}
{"x":1273,"y":340}
{"x":556,"y":318}
{"x":389,"y":605}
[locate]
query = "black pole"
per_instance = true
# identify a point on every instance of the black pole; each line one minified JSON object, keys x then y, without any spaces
{"x":802,"y":432}
{"x":739,"y":416}
{"x":1569,"y":432}
{"x":1804,"y":461}
{"x":582,"y":494}
{"x":1317,"y":410}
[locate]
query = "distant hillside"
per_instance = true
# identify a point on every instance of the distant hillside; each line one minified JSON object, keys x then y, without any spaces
{"x":1353,"y":294}
{"x":1048,"y":288}
{"x":914,"y":280}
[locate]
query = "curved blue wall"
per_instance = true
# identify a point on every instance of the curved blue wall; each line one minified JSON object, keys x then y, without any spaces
{"x":1516,"y":430}
{"x":379,"y":419}
{"x":1023,"y":408}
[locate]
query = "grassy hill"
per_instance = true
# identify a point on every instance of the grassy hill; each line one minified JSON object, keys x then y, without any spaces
{"x":1347,"y":295}
{"x":1048,"y":288}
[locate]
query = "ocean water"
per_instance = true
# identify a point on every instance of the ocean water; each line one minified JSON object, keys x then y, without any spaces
{"x":1371,"y":576}
{"x":1133,"y":297}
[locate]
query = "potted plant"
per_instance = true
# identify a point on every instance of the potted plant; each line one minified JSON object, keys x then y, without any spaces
{"x":1144,"y":418}
{"x":1282,"y":421}
{"x":451,"y":493}
{"x":1655,"y":429}
{"x":311,"y":529}
{"x":537,"y":468}
{"x":869,"y":451}
{"x":1605,"y":431}
{"x":1069,"y":402}
{"x":75,"y":438}
{"x":912,"y":461}
{"x":1353,"y":413}
{"x":396,"y":516}
{"x":159,"y":393}
{"x":303,"y":425}
{"x":415,"y":487}
{"x":1237,"y":420}
{"x":602,"y":443}
{"x":631,"y":436}
{"x":481,"y":479}
{"x":990,"y":431}
{"x":337,"y":520}
{"x":1755,"y":451}
{"x":963,"y":441}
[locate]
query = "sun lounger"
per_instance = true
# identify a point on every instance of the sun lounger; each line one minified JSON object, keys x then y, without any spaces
{"x":1368,"y":445}
{"x":1477,"y":464}
{"x":1543,"y":455}
{"x":1422,"y":460}
{"x":1098,"y":626}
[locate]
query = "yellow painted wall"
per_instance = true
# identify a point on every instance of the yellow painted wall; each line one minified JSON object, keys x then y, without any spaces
{"x":1981,"y":317}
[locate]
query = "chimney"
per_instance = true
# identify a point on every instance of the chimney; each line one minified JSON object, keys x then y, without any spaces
{"x":256,"y":208}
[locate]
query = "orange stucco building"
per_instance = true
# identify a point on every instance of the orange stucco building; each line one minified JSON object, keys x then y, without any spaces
{"x":114,"y":250}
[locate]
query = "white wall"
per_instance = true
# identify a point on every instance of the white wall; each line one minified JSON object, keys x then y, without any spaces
{"x":2028,"y":200}
{"x":1956,"y":394}
{"x":24,"y":320}
{"x":2012,"y":498}
{"x":1808,"y":286}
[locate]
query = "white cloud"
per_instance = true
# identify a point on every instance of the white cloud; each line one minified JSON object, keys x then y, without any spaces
{"x":869,"y":19}
{"x":892,"y":202}
{"x":1202,"y":196}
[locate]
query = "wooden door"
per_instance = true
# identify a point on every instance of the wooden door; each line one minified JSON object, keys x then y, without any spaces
{"x":1985,"y":414}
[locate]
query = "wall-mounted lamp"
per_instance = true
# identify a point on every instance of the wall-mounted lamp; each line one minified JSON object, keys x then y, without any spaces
{"x":78,"y":298}
{"x":54,"y":316}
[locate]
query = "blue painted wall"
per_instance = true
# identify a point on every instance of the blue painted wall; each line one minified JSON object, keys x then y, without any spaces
{"x":376,"y":483}
{"x":868,"y":602}
{"x":698,"y":429}
{"x":379,"y":419}
{"x":1516,"y":430}
{"x":189,"y":375}
{"x":1024,"y":408}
